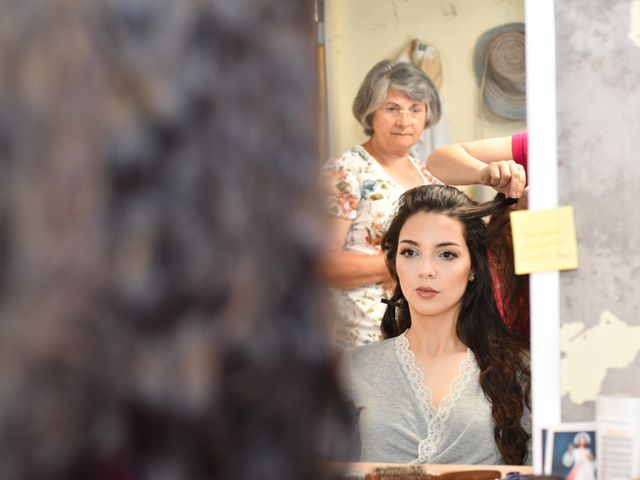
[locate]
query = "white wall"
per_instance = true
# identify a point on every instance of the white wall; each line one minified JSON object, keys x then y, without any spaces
{"x":359,"y":33}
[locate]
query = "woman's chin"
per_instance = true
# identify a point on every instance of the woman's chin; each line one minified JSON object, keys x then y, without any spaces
{"x":402,"y":144}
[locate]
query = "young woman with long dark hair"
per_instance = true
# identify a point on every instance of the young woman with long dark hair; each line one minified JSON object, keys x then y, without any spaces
{"x":450,"y":383}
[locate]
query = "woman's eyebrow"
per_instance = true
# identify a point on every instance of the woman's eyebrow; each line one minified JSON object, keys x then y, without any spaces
{"x":415,"y":103}
{"x":448,"y":244}
{"x":439,"y":245}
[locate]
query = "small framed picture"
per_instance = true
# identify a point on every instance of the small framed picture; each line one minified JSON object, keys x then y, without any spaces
{"x":571,"y":451}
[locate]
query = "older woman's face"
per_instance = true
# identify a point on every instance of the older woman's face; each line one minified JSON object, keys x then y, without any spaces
{"x":398,"y":123}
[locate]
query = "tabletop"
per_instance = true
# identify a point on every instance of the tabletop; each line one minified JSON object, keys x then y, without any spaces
{"x":359,"y":469}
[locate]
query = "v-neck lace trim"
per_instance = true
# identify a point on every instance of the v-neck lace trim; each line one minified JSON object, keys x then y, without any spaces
{"x":435,"y":418}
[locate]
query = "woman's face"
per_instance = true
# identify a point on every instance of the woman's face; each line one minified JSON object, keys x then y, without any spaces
{"x":433,"y":264}
{"x":398,"y":123}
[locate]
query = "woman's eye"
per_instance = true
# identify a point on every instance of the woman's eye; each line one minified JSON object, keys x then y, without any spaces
{"x":391,"y":109}
{"x":448,"y":255}
{"x":408,"y":252}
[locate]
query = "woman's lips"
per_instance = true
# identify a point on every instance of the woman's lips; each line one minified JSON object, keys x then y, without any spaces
{"x":426,"y":292}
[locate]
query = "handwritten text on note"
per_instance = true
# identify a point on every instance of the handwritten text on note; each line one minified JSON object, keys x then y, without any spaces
{"x":544,"y":240}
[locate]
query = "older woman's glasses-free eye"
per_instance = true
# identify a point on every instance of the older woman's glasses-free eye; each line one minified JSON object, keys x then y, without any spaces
{"x":394,"y":111}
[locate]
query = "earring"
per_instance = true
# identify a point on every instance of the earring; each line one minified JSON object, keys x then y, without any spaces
{"x":472,"y":277}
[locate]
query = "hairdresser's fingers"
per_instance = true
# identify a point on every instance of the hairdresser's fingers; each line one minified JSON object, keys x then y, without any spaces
{"x":499,"y":176}
{"x":505,"y":176}
{"x":512,"y":178}
{"x":518,"y":180}
{"x":490,"y":175}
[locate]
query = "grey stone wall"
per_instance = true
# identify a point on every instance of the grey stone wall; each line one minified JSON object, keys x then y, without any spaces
{"x":598,"y":96}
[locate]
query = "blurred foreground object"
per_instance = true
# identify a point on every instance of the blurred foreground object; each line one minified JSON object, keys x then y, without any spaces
{"x":159,"y":317}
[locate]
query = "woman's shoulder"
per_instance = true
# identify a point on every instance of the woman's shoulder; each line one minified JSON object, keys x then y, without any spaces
{"x":427,"y":176}
{"x":370,"y":366}
{"x":356,"y":155}
{"x":372,"y":354}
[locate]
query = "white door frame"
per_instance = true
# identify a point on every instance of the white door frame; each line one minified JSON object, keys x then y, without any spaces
{"x":543,"y":176}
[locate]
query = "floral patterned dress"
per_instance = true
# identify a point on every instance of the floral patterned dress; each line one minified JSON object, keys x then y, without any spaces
{"x":361,"y":191}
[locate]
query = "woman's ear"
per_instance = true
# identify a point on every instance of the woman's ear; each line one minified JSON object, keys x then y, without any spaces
{"x":472,"y":277}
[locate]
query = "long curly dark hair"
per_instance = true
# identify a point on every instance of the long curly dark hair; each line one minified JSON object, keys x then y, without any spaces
{"x":503,"y":359}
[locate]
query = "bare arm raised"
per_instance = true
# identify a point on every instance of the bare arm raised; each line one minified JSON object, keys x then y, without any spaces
{"x":485,"y":162}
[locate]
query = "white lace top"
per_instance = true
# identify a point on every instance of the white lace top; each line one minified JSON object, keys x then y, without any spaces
{"x":397,"y":422}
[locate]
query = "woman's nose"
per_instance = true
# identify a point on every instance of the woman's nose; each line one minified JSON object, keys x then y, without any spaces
{"x":426,"y":270}
{"x":403,"y":118}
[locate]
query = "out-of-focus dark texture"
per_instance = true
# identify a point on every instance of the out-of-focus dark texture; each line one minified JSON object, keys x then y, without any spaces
{"x":159,"y":317}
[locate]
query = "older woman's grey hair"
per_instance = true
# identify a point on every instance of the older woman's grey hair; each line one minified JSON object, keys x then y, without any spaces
{"x":402,"y":76}
{"x":159,"y":312}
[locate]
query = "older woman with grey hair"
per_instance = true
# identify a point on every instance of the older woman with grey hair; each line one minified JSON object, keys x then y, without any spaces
{"x":394,"y":104}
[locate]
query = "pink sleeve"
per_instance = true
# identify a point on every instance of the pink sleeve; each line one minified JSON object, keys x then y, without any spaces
{"x":519,"y":148}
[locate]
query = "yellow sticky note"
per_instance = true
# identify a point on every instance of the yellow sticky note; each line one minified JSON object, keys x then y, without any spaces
{"x":544,"y":240}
